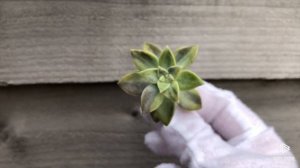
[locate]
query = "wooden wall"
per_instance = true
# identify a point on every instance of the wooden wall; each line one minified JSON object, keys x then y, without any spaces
{"x":96,"y":126}
{"x":88,"y":41}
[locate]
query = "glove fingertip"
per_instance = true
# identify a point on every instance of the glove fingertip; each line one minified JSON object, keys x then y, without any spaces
{"x":155,"y":143}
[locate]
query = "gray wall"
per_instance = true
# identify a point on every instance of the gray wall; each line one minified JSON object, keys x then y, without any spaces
{"x":89,"y":41}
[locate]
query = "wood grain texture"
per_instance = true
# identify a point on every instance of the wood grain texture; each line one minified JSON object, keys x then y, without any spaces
{"x":88,"y":41}
{"x":94,"y":125}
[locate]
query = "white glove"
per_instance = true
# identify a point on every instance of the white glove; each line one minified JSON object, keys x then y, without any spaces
{"x":223,"y":134}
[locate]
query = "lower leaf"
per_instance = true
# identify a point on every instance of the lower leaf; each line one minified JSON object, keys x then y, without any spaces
{"x":133,"y":83}
{"x":165,"y":112}
{"x":190,"y":100}
{"x":188,"y":80}
{"x":154,"y":116}
{"x":151,"y":99}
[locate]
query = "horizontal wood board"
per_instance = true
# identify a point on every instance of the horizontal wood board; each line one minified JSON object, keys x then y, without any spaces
{"x":96,"y":126}
{"x":88,"y":41}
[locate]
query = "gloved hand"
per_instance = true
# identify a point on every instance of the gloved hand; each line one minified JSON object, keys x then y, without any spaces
{"x":224,"y":133}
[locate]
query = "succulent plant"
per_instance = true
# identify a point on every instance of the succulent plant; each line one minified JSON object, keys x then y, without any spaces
{"x":162,"y":80}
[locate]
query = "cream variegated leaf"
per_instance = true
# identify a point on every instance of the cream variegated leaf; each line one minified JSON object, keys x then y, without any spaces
{"x":165,"y":111}
{"x":188,"y":80}
{"x":167,"y":58}
{"x":190,"y":100}
{"x":144,"y":60}
{"x":151,"y":99}
{"x":133,"y":83}
{"x":153,"y":48}
{"x":149,"y":75}
{"x":186,"y":55}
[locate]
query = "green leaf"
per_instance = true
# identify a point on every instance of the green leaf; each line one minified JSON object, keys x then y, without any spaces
{"x":190,"y":100}
{"x":149,"y":75}
{"x":162,"y":71}
{"x":154,"y":116}
{"x":186,"y":55}
{"x":165,"y":112}
{"x":144,"y":60}
{"x":151,"y":99}
{"x":167,"y":58}
{"x":173,"y":92}
{"x":133,"y":83}
{"x":188,"y":80}
{"x":163,"y":84}
{"x":174,"y":71}
{"x":153,"y":48}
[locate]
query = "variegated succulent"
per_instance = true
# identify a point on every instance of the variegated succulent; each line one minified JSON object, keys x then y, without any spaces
{"x":162,"y":80}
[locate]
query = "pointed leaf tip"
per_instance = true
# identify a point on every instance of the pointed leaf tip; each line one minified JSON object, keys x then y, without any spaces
{"x":188,"y":80}
{"x":153,"y":48}
{"x":186,"y":55}
{"x":165,"y":112}
{"x":143,"y":59}
{"x":132,"y":83}
{"x":167,"y":58}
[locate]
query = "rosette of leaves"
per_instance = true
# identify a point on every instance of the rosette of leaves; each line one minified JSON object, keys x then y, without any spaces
{"x":162,"y":80}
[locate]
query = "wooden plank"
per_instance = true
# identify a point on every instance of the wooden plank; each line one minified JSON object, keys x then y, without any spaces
{"x":94,"y":125}
{"x":89,"y":41}
{"x":71,"y":126}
